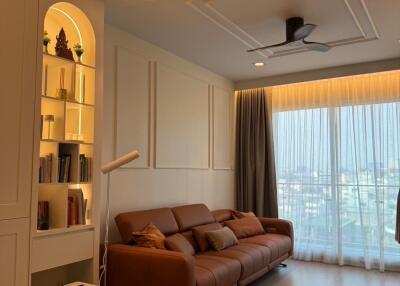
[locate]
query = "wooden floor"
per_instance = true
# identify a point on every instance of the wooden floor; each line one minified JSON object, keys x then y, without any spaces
{"x":300,"y":273}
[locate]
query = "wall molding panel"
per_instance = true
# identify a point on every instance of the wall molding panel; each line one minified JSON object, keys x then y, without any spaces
{"x":222,"y":127}
{"x":133,"y":105}
{"x":162,"y":106}
{"x":182,"y":120}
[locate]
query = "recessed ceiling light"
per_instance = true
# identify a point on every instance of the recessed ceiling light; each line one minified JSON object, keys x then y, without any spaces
{"x":259,"y":64}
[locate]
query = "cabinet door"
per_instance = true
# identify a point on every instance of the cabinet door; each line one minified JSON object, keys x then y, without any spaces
{"x":18,"y":27}
{"x":14,"y":248}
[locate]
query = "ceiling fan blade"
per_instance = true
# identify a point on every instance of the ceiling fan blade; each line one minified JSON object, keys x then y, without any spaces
{"x":304,"y":31}
{"x":319,"y":47}
{"x":267,"y":47}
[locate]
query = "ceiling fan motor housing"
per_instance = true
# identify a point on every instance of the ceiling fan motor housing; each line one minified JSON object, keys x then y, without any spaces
{"x":292,"y":25}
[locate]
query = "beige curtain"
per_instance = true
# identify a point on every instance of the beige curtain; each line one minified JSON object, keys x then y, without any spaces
{"x":337,"y":150}
{"x":397,"y":234}
{"x":255,"y":167}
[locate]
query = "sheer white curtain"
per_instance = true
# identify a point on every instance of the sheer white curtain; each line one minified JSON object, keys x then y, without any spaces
{"x":337,"y":150}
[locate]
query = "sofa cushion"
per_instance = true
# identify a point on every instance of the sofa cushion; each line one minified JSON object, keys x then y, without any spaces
{"x":245,"y":227}
{"x":278,"y":244}
{"x":216,"y":271}
{"x":199,"y":233}
{"x":150,"y":237}
{"x":190,"y":237}
{"x":221,"y":238}
{"x":251,"y":257}
{"x":135,"y":221}
{"x":239,"y":215}
{"x":192,"y":215}
{"x":222,"y":215}
{"x":177,"y":242}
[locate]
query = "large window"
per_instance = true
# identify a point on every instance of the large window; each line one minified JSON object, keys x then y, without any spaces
{"x":338,"y":172}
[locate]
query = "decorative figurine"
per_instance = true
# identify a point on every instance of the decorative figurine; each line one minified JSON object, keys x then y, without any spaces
{"x":62,"y":49}
{"x":79,"y":51}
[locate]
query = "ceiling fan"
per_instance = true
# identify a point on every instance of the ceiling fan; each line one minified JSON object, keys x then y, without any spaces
{"x":296,"y":32}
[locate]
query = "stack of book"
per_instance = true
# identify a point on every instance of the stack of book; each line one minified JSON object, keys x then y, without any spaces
{"x":45,"y":173}
{"x":86,"y":168}
{"x":64,"y":168}
{"x":77,"y":205}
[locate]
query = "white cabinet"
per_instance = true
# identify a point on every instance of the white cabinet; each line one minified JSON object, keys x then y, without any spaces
{"x":18,"y":25}
{"x":14,"y":249}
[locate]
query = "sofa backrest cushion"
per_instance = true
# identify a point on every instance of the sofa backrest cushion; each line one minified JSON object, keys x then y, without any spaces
{"x":222,"y":215}
{"x":192,"y":240}
{"x":189,"y":216}
{"x":177,"y":242}
{"x":245,"y":227}
{"x":129,"y":222}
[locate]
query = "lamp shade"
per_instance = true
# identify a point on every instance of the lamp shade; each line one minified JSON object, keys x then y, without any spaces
{"x":111,"y":166}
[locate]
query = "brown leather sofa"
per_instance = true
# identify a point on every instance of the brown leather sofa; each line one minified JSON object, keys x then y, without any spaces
{"x":130,"y":265}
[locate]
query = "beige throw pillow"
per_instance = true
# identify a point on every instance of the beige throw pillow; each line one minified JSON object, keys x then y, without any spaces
{"x":199,"y":233}
{"x":221,"y":238}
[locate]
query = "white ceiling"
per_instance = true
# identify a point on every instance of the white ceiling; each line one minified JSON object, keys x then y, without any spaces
{"x":216,"y":34}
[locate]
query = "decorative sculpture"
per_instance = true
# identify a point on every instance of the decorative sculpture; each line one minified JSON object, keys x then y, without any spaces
{"x":62,"y":49}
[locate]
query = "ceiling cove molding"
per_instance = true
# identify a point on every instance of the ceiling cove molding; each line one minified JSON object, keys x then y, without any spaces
{"x":228,"y":26}
{"x":358,"y":11}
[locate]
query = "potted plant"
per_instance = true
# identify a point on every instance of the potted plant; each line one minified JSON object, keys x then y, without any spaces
{"x":79,"y":51}
{"x":46,"y":41}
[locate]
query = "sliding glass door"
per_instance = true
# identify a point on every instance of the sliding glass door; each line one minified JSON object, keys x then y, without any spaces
{"x":338,"y":174}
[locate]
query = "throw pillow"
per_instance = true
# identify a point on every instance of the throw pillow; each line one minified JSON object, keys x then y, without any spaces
{"x":239,"y":215}
{"x":177,"y":242}
{"x":221,"y":238}
{"x":199,"y":233}
{"x":150,"y":237}
{"x":245,"y":227}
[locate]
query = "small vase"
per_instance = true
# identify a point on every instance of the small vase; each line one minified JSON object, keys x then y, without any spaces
{"x":79,"y":55}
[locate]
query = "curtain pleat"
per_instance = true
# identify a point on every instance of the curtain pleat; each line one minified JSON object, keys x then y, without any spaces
{"x":255,"y":164}
{"x":337,"y":156}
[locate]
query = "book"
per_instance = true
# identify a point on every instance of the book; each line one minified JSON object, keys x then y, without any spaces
{"x":85,"y":166}
{"x":45,"y":169}
{"x":64,"y":168}
{"x":77,"y":207}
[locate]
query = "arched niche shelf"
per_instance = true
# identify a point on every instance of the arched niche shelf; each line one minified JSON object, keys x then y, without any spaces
{"x":77,"y":27}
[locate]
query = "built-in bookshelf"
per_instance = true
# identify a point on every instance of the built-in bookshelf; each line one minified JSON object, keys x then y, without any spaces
{"x":66,"y":143}
{"x":66,"y":183}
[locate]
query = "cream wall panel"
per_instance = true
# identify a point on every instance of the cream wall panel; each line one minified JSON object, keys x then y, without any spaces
{"x":182,"y":120}
{"x":137,"y":188}
{"x":17,"y":91}
{"x":14,"y":249}
{"x":222,"y":128}
{"x":133,"y":106}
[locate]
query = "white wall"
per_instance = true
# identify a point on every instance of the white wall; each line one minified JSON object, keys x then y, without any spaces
{"x":178,"y":115}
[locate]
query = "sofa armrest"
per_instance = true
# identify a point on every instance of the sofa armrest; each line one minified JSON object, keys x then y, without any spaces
{"x":131,"y":265}
{"x":280,"y":226}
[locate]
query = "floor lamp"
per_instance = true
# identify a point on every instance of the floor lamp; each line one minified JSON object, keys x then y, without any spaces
{"x":107,"y":169}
